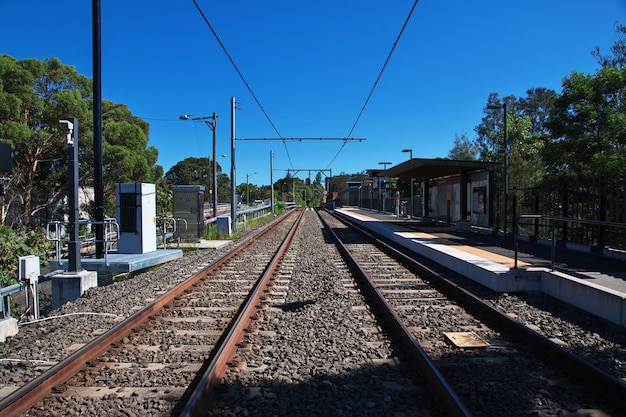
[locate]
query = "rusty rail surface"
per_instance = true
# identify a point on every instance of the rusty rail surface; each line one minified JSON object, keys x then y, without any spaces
{"x":607,"y":386}
{"x":439,"y":386}
{"x":29,"y":394}
{"x":199,"y":399}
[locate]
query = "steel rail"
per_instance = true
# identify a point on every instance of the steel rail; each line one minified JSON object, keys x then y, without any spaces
{"x":606,"y":385}
{"x":448,"y":399}
{"x":26,"y":396}
{"x":201,"y":396}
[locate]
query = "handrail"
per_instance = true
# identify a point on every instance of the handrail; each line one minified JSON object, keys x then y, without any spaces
{"x":55,"y":233}
{"x":165,"y":221}
{"x":555,"y":219}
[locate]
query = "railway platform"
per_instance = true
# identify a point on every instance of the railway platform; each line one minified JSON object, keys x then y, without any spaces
{"x":122,"y":262}
{"x":594,"y":283}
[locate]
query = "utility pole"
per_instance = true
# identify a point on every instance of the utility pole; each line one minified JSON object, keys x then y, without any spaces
{"x":233,"y":172}
{"x":97,"y":127}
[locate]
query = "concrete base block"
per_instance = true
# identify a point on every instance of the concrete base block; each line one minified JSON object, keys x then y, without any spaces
{"x":8,"y":328}
{"x":105,"y":278}
{"x":68,"y":286}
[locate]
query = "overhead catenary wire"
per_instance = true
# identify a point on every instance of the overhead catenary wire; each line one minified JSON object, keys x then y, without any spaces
{"x":263,"y":109}
{"x":217,"y":38}
{"x":382,"y":70}
{"x":380,"y":74}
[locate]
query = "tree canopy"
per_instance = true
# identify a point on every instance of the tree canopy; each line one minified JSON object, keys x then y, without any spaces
{"x":34,"y":96}
{"x":199,"y":171}
{"x":464,"y":149}
{"x":588,"y":124}
{"x":580,"y":130}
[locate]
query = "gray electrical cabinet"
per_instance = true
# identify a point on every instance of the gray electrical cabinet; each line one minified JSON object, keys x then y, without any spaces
{"x":188,"y":207}
{"x":136,"y":217}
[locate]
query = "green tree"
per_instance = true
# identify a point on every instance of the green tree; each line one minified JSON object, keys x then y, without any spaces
{"x":126,"y":154}
{"x":464,"y":149}
{"x":34,"y":96}
{"x":199,"y":171}
{"x":588,"y":123}
{"x":526,"y":134}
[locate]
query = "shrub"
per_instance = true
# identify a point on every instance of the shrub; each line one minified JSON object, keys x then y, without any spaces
{"x":19,"y":242}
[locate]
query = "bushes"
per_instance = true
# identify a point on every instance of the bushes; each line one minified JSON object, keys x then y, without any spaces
{"x":19,"y":242}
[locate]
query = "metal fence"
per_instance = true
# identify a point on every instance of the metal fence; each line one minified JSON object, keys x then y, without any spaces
{"x":594,"y":198}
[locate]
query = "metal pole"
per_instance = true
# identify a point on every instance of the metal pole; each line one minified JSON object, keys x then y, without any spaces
{"x":506,"y":173}
{"x":271,"y":183}
{"x":515,"y":230}
{"x":97,"y":127}
{"x":233,"y":178}
{"x":410,"y":151}
{"x":214,"y":165}
{"x":72,"y":194}
{"x":553,"y":249}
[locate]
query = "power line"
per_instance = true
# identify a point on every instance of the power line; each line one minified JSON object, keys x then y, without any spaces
{"x":381,"y":71}
{"x":263,"y":109}
{"x":380,"y":74}
{"x":242,"y":77}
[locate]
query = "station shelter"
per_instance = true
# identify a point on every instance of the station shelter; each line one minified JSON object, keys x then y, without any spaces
{"x":452,"y":189}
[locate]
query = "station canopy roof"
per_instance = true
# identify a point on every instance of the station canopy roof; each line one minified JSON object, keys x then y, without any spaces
{"x":432,"y":168}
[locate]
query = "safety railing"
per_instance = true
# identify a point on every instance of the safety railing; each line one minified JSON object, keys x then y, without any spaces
{"x":554,"y":220}
{"x":169,"y":227}
{"x":253,"y":213}
{"x":56,"y":231}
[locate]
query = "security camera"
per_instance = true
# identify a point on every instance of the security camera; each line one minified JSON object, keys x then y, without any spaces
{"x":66,"y":125}
{"x":69,"y":130}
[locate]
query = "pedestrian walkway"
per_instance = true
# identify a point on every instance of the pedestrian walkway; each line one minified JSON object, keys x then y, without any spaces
{"x":591,"y":282}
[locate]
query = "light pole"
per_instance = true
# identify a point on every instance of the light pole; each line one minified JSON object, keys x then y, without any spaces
{"x":248,"y":188}
{"x":211,"y":122}
{"x":380,"y":193}
{"x":506,"y":160}
{"x":410,"y":151}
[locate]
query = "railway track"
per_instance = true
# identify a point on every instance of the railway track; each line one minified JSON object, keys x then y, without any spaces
{"x":318,"y":348}
{"x":494,"y":363}
{"x":253,"y":335}
{"x":152,"y":360}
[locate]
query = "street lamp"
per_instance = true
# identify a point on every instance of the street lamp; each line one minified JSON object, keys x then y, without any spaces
{"x":505,"y":151}
{"x":380,"y":195}
{"x":211,"y":122}
{"x":248,"y":188}
{"x":410,"y":151}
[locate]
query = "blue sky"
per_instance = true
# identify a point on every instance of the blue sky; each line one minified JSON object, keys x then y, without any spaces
{"x":312,"y":64}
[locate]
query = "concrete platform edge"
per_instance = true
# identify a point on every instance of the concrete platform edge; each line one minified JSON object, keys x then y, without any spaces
{"x":599,"y":301}
{"x":602,"y":302}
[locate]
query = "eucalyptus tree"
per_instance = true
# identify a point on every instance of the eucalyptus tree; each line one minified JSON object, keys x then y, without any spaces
{"x":588,"y":122}
{"x":464,"y":149}
{"x":34,"y":96}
